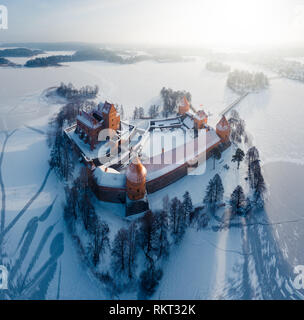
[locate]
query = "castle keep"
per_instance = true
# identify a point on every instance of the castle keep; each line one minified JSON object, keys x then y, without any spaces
{"x":89,"y":124}
{"x":148,"y":159}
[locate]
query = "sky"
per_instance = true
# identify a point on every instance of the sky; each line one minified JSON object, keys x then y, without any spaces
{"x":159,"y":22}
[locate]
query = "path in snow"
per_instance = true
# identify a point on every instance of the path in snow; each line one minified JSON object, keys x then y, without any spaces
{"x":33,"y":243}
{"x":7,"y":135}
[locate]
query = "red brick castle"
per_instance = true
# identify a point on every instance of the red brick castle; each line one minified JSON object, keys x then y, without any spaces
{"x":89,"y":124}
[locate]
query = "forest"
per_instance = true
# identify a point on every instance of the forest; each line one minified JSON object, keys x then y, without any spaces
{"x":242,"y":81}
{"x":217,"y":66}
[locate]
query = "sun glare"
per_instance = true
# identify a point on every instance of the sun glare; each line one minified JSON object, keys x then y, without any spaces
{"x":240,"y":21}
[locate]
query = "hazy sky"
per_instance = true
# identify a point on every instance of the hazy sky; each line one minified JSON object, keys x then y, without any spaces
{"x":171,"y":22}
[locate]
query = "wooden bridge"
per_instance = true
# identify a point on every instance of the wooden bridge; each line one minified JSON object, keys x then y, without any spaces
{"x":233,"y":104}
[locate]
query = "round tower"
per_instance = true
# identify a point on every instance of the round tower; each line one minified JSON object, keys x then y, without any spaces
{"x":136,"y":180}
{"x":223,"y":129}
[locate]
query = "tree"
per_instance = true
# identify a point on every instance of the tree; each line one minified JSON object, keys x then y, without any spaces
{"x":131,"y":252}
{"x":188,"y":206}
{"x":238,"y":156}
{"x":171,"y":99}
{"x":61,"y":157}
{"x":166,"y":204}
{"x":252,"y":158}
{"x":70,"y":207}
{"x":149,"y":279}
{"x":141,"y":112}
{"x":138,"y":113}
{"x":160,"y":241}
{"x":79,"y":203}
{"x":253,"y":169}
{"x":216,"y":153}
{"x":153,"y":111}
{"x":252,"y":155}
{"x":237,"y":200}
{"x":181,"y":222}
{"x":147,"y":236}
{"x":174,"y":206}
{"x":258,"y":184}
{"x":121,"y":111}
{"x":100,"y":232}
{"x":177,"y":216}
{"x":214,"y":193}
{"x":135,"y":113}
{"x":85,"y":206}
{"x":237,"y":126}
{"x":202,"y":221}
{"x":119,"y":250}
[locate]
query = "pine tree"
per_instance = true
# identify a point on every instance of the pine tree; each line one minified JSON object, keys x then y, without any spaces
{"x":188,"y":206}
{"x":166,"y":204}
{"x":147,"y":236}
{"x":237,"y":200}
{"x":131,"y":252}
{"x":214,"y":192}
{"x":252,"y":155}
{"x":70,"y":207}
{"x":161,"y":243}
{"x":181,"y":222}
{"x":237,"y":126}
{"x":259,"y":188}
{"x":55,"y":159}
{"x":141,"y":112}
{"x":209,"y":199}
{"x":252,"y":158}
{"x":174,"y":206}
{"x":238,"y":156}
{"x":135,"y":113}
{"x":218,"y":187}
{"x":216,"y":153}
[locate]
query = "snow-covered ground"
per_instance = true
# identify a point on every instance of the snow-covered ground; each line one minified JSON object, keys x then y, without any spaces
{"x":208,"y":263}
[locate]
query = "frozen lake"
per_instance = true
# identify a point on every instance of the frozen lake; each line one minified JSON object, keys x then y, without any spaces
{"x":274,"y":118}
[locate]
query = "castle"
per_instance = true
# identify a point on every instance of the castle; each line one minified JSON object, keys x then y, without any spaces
{"x":89,"y":124}
{"x":145,"y":171}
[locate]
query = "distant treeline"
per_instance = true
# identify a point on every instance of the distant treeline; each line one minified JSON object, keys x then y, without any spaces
{"x":290,"y":69}
{"x":82,"y":55}
{"x":96,"y":54}
{"x":7,"y":63}
{"x":217,"y":66}
{"x":19,"y":52}
{"x":243,"y":81}
{"x":70,"y":92}
{"x":53,"y":61}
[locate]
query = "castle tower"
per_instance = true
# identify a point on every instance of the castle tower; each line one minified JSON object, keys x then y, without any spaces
{"x":110,"y":116}
{"x":136,"y":200}
{"x":136,"y":180}
{"x":184,"y":106}
{"x":223,"y":130}
{"x":200,"y":119}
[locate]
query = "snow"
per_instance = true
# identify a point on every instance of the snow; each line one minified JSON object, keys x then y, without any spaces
{"x":24,"y":168}
{"x":87,"y":122}
{"x":209,"y":261}
{"x":109,"y":179}
{"x":189,"y":123}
